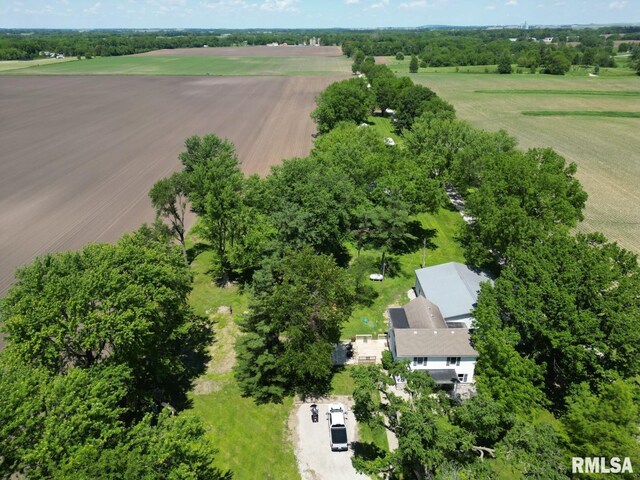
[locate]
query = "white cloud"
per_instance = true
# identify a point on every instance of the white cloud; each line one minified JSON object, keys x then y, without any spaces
{"x":351,"y":2}
{"x":512,"y":3}
{"x":422,"y":3}
{"x":490,"y":7}
{"x":380,"y":4}
{"x":93,"y":9}
{"x":618,"y":4}
{"x":228,"y":5}
{"x":279,"y":6}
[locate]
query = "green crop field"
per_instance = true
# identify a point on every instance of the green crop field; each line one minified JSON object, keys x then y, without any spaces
{"x":605,"y":148}
{"x":192,"y":65}
{"x":13,"y":66}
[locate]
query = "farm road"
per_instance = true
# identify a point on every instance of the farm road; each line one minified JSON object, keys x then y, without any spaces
{"x":79,"y":154}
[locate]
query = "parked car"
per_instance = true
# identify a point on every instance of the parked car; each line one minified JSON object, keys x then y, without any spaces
{"x":337,"y":427}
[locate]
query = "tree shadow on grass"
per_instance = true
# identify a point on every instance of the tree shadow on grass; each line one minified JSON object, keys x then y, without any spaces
{"x":196,"y":249}
{"x":367,"y":450}
{"x":417,"y":237}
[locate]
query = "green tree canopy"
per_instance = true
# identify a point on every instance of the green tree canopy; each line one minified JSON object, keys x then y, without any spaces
{"x":574,"y":305}
{"x":606,"y":423}
{"x":521,"y":197}
{"x":348,"y":100}
{"x":414,"y":101}
{"x":295,"y":318}
{"x":215,"y":192}
{"x":202,"y":149}
{"x":504,"y":65}
{"x":309,"y":204}
{"x":413,"y":64}
{"x":122,"y":304}
{"x":556,"y":63}
{"x":169,"y":199}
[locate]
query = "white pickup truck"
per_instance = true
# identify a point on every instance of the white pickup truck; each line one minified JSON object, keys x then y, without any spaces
{"x":337,"y":427}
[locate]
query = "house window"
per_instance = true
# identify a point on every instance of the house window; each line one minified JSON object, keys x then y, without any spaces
{"x":453,"y":361}
{"x":419,"y":361}
{"x":463,"y":377}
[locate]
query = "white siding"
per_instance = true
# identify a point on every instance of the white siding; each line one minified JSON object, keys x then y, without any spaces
{"x":467,"y":365}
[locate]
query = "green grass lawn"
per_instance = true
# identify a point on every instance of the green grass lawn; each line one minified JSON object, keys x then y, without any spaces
{"x":392,"y":290}
{"x":566,"y":92}
{"x":253,"y":440}
{"x":196,"y":65}
{"x":402,"y":67}
{"x":207,"y":296}
{"x":343,"y":384}
{"x":384,"y":126}
{"x":580,"y":113}
{"x":12,"y":66}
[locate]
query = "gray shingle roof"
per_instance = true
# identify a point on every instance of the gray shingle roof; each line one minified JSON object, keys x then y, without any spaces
{"x":451,"y":342}
{"x":421,"y":313}
{"x":452,"y":286}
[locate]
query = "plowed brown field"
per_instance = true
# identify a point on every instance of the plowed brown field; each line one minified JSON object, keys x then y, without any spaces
{"x":79,"y":154}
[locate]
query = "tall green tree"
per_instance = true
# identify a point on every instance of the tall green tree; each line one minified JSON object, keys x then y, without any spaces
{"x":202,"y":149}
{"x":504,"y":65}
{"x":215,"y":192}
{"x":606,"y":423}
{"x":427,"y":440}
{"x":556,"y":63}
{"x":46,"y":418}
{"x":169,"y":199}
{"x":413,"y":64}
{"x":295,"y":318}
{"x":73,"y":425}
{"x":310,"y":205}
{"x":520,"y":199}
{"x":572,"y":303}
{"x":122,"y":304}
{"x":348,"y":100}
{"x":415,"y":101}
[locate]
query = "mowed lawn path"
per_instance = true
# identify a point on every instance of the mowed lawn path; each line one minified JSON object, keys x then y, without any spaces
{"x":606,"y":149}
{"x":79,"y":154}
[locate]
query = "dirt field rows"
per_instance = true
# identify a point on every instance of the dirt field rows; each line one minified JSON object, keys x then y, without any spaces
{"x":79,"y":154}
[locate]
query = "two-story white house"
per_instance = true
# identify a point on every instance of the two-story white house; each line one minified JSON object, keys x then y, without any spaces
{"x":432,"y":330}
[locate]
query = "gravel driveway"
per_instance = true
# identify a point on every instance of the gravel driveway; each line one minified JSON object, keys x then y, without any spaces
{"x":315,"y":459}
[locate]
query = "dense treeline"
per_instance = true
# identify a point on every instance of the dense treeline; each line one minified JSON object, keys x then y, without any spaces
{"x":21,"y":45}
{"x":433,"y":48}
{"x":487,"y":47}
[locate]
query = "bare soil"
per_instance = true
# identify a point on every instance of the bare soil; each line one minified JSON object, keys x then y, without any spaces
{"x":79,"y":154}
{"x":257,"y":51}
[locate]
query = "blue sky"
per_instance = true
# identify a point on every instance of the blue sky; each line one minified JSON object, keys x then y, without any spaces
{"x":308,"y":13}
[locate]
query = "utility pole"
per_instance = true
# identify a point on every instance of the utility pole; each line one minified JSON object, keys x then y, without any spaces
{"x":424,"y":252}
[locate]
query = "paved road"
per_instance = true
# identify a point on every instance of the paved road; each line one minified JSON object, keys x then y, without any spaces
{"x":316,"y":461}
